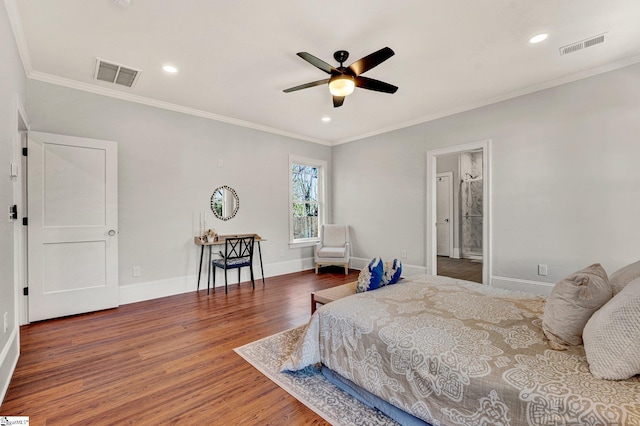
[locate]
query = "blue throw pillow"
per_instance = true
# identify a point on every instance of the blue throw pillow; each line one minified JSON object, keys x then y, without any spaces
{"x":392,"y":272}
{"x":370,"y":277}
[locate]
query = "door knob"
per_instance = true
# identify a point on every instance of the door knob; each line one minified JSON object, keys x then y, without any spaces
{"x":446,"y":220}
{"x":112,"y":232}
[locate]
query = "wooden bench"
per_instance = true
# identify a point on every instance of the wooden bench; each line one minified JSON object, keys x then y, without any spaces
{"x":330,"y":294}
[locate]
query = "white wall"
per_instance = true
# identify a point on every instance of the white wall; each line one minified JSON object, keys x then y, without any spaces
{"x":168,"y":169}
{"x":11,"y":91}
{"x":565,"y":180}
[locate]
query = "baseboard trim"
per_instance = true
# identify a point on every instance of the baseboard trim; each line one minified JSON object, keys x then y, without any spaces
{"x":289,"y":266}
{"x":8,"y":362}
{"x":537,"y":287}
{"x":148,"y":290}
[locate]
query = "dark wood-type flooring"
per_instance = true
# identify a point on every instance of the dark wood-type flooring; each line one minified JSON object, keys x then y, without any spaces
{"x":464,"y":269}
{"x":165,"y":361}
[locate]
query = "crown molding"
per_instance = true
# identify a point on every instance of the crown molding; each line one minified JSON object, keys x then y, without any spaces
{"x":60,"y":81}
{"x":23,"y":51}
{"x":520,"y":92}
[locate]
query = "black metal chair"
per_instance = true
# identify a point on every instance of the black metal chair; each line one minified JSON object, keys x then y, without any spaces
{"x":238,"y":253}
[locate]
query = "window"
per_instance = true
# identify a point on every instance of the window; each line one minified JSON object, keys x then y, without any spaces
{"x":307,"y":199}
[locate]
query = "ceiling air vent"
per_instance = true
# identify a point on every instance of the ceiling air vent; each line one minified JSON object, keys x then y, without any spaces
{"x":116,"y":73}
{"x":574,"y":47}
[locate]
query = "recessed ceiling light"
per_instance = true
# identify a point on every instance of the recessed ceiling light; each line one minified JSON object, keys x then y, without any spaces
{"x":538,"y":38}
{"x":170,"y":68}
{"x":326,"y":119}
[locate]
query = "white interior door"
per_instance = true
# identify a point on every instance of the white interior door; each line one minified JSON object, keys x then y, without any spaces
{"x":444,"y":211}
{"x":73,"y":218}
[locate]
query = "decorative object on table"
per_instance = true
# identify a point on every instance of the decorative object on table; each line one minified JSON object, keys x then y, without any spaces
{"x":225,"y":202}
{"x":210,"y":235}
{"x":203,"y":226}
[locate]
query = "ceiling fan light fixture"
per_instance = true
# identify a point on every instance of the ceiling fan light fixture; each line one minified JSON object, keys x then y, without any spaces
{"x":342,"y":85}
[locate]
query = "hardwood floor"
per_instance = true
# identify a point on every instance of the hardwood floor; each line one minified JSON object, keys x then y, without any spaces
{"x":165,"y":361}
{"x":464,"y":269}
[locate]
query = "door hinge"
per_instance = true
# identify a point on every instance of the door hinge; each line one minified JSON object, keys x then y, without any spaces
{"x":25,"y":291}
{"x":13,"y":212}
{"x":25,"y":221}
{"x":25,"y":152}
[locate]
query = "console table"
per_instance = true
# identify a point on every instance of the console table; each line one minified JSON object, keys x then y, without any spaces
{"x":221,"y":239}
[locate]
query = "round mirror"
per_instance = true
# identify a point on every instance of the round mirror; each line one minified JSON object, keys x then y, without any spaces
{"x":224,"y":202}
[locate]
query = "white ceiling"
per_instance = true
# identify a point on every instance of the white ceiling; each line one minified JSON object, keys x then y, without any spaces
{"x":235,"y":57}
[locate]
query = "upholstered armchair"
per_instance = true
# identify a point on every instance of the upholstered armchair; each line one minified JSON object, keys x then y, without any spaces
{"x":333,"y":248}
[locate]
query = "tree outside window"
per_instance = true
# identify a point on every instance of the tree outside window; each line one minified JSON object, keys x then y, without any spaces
{"x":306,"y":199}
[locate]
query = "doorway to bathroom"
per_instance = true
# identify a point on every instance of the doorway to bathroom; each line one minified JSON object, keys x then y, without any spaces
{"x":458,"y":187}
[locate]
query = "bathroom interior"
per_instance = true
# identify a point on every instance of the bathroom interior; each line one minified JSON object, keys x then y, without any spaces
{"x":464,"y":259}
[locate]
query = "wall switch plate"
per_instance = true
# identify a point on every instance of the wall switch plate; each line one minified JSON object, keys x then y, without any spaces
{"x":135,"y":271}
{"x":220,"y":163}
{"x":6,"y":321}
{"x":542,"y":270}
{"x":403,"y":254}
{"x":14,"y":169}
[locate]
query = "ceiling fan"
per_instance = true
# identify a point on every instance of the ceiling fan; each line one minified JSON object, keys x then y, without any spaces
{"x":343,"y":79}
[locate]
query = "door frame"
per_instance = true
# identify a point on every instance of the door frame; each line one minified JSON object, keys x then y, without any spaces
{"x":20,"y":258}
{"x":431,"y":247}
{"x":451,"y":211}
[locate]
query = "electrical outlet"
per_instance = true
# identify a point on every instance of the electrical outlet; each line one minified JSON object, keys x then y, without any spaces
{"x":136,"y":271}
{"x":542,"y":270}
{"x":6,"y":321}
{"x":403,"y":254}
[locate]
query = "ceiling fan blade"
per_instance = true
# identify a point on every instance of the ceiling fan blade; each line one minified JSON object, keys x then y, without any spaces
{"x":376,"y":58}
{"x":338,"y":101}
{"x":377,"y":85}
{"x":307,"y":85}
{"x":318,"y":63}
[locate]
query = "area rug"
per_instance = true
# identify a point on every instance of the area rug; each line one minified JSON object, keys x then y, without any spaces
{"x":308,"y":386}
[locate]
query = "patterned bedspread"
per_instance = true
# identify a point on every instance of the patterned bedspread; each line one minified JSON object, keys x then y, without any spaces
{"x":454,"y":352}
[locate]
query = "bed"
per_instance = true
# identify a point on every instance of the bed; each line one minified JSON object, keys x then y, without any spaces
{"x":452,"y":352}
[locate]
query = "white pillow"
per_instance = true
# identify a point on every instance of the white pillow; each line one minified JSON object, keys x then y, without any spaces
{"x":612,"y":336}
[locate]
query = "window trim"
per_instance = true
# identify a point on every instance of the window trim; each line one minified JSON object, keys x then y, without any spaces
{"x":322,"y":197}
